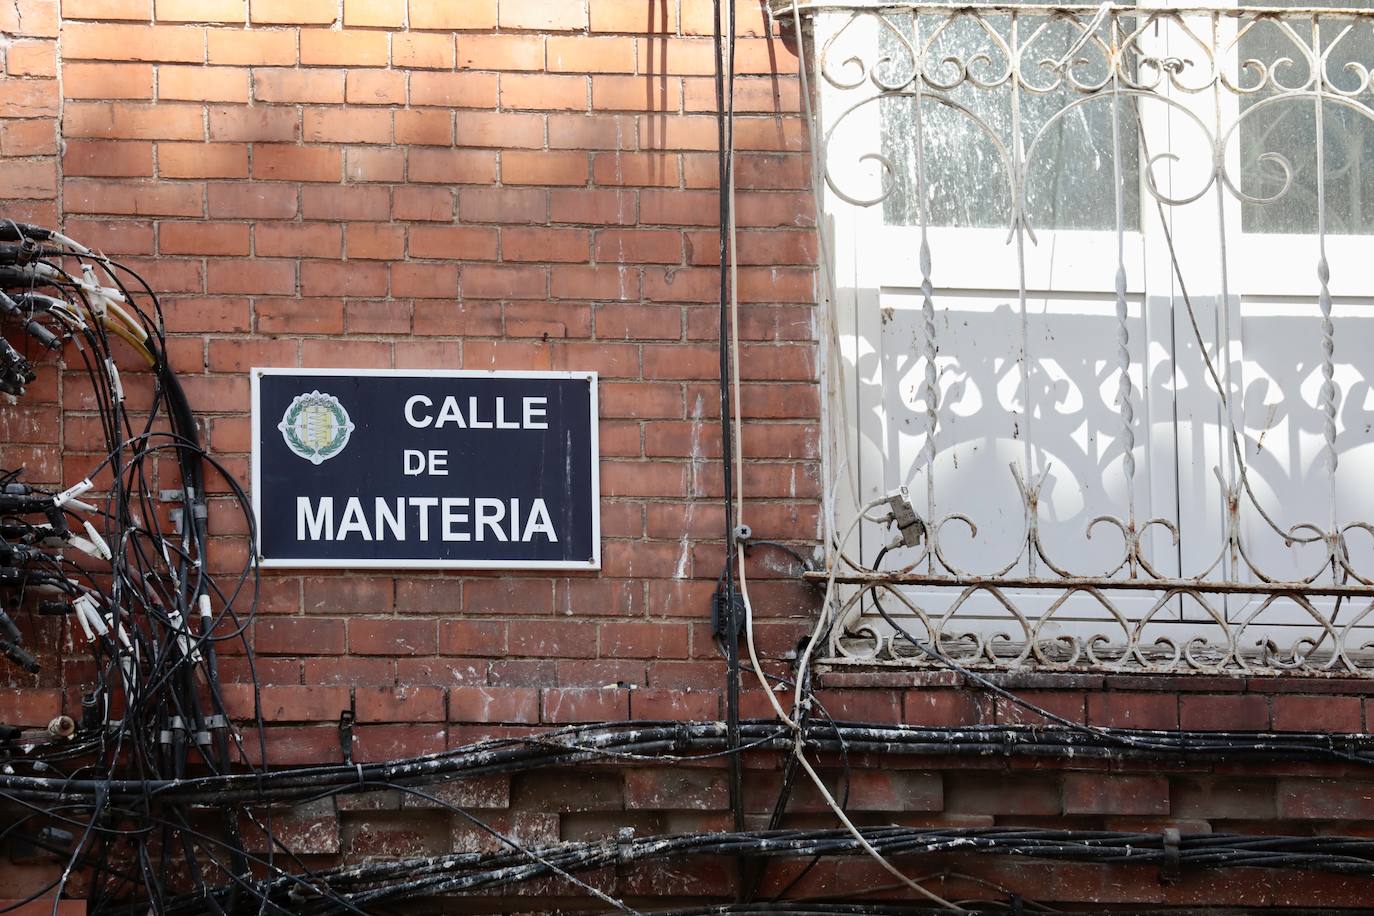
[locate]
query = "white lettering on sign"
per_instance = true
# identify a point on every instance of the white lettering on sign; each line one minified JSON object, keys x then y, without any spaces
{"x":533,"y":413}
{"x":315,"y":519}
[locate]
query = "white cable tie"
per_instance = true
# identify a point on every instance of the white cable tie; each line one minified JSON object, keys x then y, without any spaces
{"x":80,"y":506}
{"x":203,"y":602}
{"x":72,"y":492}
{"x":98,"y":541}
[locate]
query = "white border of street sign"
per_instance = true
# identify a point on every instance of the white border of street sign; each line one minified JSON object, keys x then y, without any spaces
{"x":257,"y":372}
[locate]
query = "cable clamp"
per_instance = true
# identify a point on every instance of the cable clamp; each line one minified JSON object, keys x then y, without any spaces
{"x":1171,"y":870}
{"x":216,"y":721}
{"x":203,"y":739}
{"x":910,"y":525}
{"x":346,"y":720}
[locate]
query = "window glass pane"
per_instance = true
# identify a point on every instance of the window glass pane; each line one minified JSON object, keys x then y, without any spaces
{"x":1278,"y":154}
{"x":969,"y":136}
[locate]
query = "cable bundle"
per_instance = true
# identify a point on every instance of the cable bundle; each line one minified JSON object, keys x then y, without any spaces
{"x":140,"y":598}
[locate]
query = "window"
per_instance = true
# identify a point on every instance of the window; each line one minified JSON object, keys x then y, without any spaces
{"x":1051,"y":230}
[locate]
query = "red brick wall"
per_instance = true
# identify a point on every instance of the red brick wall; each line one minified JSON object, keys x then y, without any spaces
{"x":529,"y":184}
{"x":443,"y":184}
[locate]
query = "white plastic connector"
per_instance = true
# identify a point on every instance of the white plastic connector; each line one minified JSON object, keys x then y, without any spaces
{"x":102,"y":548}
{"x":116,"y":385}
{"x":72,"y":493}
{"x":203,"y":602}
{"x":90,"y":617}
{"x":83,"y":545}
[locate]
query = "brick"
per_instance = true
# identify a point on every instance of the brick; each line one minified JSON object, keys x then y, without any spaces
{"x":542,"y":16}
{"x":543,"y":168}
{"x":364,"y":164}
{"x":294,"y":12}
{"x":1133,"y":710}
{"x":1115,"y":793}
{"x":590,"y":55}
{"x":375,"y":13}
{"x":500,"y":282}
{"x":636,"y":93}
{"x":278,"y":162}
{"x":500,"y":130}
{"x":256,"y":277}
{"x":639,"y":246}
{"x":32,"y":58}
{"x":107,"y":81}
{"x":252,"y":201}
{"x":598,"y":207}
{"x":294,"y":703}
{"x":328,"y":47}
{"x":400,"y":704}
{"x":1211,"y":798}
{"x":133,"y":199}
{"x":631,"y":169}
{"x":201,"y":10}
{"x":318,"y":87}
{"x":602,"y":282}
{"x":392,"y":636}
{"x":317,"y":316}
{"x":251,"y":47}
{"x":643,"y":640}
{"x":105,"y":41}
{"x":503,"y":205}
{"x":1223,"y":712}
{"x":543,"y":92}
{"x":1028,"y":795}
{"x":561,"y":705}
{"x":421,"y":204}
{"x":132,"y":121}
{"x":677,"y":788}
{"x":461,"y":243}
{"x":453,"y":90}
{"x":107,"y":9}
{"x":518,"y":705}
{"x":445,"y":14}
{"x":203,"y":238}
{"x":303,"y":240}
{"x":500,"y":52}
{"x":678,"y":56}
{"x":1070,"y":705}
{"x":532,"y":244}
{"x":424,"y":281}
{"x":545,"y":638}
{"x":28,"y":98}
{"x":256,"y":123}
{"x":104,"y":158}
{"x":423,"y":127}
{"x":675,"y":705}
{"x":1320,"y":799}
{"x":298,"y":636}
{"x":346,"y":125}
{"x":418,"y":51}
{"x":375,"y":87}
{"x":591,"y":131}
{"x":202,"y":160}
{"x":632,"y":16}
{"x":451,"y":166}
{"x":376,"y":241}
{"x":331,"y":278}
{"x":202,"y":84}
{"x":1317,"y":714}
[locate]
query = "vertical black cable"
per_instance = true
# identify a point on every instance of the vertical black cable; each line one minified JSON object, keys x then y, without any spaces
{"x":729,"y":604}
